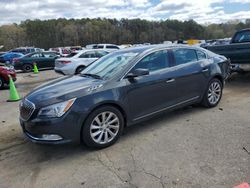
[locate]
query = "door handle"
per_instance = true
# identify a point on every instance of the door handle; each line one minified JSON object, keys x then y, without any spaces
{"x":204,"y":70}
{"x":170,"y":80}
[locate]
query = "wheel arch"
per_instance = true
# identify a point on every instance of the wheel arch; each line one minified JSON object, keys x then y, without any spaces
{"x":219,"y":77}
{"x":107,"y":103}
{"x":79,"y":66}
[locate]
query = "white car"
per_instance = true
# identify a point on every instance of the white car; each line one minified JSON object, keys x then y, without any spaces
{"x":74,"y":65}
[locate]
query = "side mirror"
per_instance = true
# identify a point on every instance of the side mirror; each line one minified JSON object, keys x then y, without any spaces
{"x":137,"y":73}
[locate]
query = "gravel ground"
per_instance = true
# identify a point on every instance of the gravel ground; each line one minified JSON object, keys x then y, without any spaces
{"x":192,"y":147}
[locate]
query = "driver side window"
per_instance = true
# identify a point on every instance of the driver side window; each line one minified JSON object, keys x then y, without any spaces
{"x":154,"y":61}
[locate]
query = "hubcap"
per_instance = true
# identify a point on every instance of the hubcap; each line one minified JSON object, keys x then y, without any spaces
{"x":104,"y":127}
{"x":214,"y":93}
{"x":1,"y":82}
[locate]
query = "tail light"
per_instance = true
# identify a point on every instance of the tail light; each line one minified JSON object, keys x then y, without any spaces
{"x":65,"y":62}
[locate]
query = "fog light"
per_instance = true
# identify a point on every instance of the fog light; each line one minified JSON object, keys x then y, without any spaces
{"x":51,"y":137}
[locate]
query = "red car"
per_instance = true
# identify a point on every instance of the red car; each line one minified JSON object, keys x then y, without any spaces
{"x":4,"y":79}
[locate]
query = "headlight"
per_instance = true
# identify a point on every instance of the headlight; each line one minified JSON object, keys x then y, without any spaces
{"x":56,"y":110}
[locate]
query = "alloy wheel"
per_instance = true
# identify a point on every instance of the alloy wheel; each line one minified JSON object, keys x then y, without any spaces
{"x":104,"y":127}
{"x":214,"y":93}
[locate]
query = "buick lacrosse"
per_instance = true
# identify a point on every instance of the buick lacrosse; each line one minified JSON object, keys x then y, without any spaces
{"x":122,"y":89}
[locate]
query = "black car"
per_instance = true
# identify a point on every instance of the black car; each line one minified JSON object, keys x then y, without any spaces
{"x":121,"y":89}
{"x":42,"y":60}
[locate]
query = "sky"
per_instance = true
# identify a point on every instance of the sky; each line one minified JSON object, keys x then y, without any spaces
{"x":202,"y":11}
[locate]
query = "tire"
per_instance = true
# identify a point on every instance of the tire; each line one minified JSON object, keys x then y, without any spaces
{"x":213,"y":93}
{"x":79,"y":69}
{"x":27,"y":67}
{"x":94,"y":133}
{"x":1,"y":83}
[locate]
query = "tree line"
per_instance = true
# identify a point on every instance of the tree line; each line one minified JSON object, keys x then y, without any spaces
{"x":63,"y":32}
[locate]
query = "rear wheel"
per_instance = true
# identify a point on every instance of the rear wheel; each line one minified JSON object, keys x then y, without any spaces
{"x":1,"y":83}
{"x":79,"y":69}
{"x":27,"y":67}
{"x":213,"y":94}
{"x":103,"y":127}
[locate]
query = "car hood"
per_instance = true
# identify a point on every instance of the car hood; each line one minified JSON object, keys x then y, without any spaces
{"x":63,"y":89}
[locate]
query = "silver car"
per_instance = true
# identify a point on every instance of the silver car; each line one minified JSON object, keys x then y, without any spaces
{"x":74,"y":65}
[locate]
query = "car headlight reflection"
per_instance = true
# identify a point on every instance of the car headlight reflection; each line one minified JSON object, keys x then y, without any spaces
{"x":56,"y":110}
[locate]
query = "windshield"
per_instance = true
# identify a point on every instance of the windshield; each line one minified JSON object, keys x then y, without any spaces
{"x":109,"y":65}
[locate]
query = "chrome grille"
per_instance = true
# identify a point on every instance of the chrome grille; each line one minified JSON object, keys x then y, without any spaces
{"x":26,"y":109}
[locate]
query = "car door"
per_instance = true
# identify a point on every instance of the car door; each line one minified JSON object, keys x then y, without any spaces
{"x":49,"y":59}
{"x":35,"y":58}
{"x":154,"y":92}
{"x":190,"y":74}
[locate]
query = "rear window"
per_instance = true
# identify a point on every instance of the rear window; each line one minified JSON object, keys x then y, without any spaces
{"x":48,"y":55}
{"x":100,"y":46}
{"x":112,"y":47}
{"x":88,"y":55}
{"x":183,"y":56}
{"x":201,"y":55}
{"x":100,"y":53}
{"x":19,"y":50}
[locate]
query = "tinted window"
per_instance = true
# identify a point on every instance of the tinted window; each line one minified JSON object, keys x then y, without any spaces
{"x":101,"y":53}
{"x":49,"y":55}
{"x":112,"y":47}
{"x":155,"y":61}
{"x":88,"y":55}
{"x":201,"y":55}
{"x":19,"y":50}
{"x":242,"y":37}
{"x":183,"y":56}
{"x":36,"y":55}
{"x":100,"y":46}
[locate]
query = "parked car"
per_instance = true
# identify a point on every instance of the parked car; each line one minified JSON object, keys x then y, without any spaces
{"x":90,"y":46}
{"x":238,"y":51}
{"x":42,"y":59}
{"x":2,"y":53}
{"x":122,"y":89}
{"x":8,"y":57}
{"x":64,"y":52}
{"x":78,"y":62}
{"x":107,"y":47}
{"x":26,"y":50}
{"x":4,"y":72}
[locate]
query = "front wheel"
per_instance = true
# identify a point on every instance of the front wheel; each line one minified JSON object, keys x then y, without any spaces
{"x":213,"y":93}
{"x":103,"y":127}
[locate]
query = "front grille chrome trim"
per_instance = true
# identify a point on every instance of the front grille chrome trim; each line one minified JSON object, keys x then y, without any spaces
{"x":29,"y":106}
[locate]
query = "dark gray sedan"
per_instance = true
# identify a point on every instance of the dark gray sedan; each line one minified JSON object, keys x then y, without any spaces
{"x":121,"y":89}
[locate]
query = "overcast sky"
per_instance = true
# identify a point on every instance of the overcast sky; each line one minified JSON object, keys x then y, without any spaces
{"x":202,"y":11}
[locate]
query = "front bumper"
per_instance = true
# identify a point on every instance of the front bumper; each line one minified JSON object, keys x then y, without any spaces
{"x":58,"y":130}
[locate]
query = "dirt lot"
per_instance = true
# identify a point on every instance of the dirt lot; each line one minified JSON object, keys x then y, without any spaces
{"x":193,"y":147}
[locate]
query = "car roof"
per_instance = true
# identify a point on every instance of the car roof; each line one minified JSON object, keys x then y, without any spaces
{"x":106,"y":44}
{"x":144,"y":48}
{"x":87,"y":50}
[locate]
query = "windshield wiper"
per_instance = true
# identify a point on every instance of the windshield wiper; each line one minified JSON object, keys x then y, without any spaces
{"x":92,"y":75}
